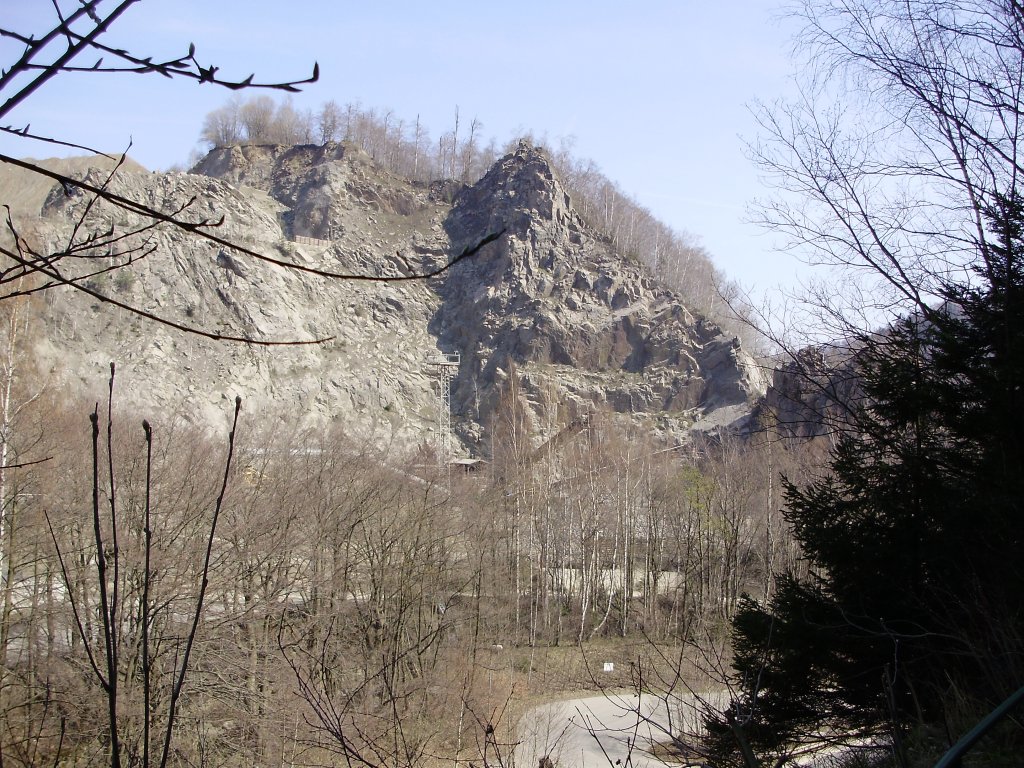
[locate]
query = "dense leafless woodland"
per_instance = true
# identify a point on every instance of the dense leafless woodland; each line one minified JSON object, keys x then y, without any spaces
{"x":354,"y":604}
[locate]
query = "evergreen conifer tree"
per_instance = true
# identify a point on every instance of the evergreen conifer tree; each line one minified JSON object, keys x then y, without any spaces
{"x":913,"y":613}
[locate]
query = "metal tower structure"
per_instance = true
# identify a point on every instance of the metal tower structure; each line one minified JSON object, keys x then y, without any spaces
{"x":447,"y":367}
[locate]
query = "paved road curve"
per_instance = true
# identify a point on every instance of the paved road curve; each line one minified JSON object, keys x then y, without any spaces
{"x":612,"y":730}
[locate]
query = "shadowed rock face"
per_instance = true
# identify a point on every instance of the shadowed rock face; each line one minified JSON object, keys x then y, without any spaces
{"x":814,"y":394}
{"x":583,"y":326}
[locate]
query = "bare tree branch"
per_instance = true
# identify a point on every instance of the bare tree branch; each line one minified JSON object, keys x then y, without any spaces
{"x":54,"y":53}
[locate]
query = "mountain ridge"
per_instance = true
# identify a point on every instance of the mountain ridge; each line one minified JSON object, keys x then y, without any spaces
{"x":584,"y":327}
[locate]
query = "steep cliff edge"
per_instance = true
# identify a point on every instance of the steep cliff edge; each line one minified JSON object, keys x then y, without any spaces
{"x":584,"y":327}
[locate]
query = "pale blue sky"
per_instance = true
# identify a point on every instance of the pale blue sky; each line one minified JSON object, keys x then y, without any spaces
{"x":656,"y":92}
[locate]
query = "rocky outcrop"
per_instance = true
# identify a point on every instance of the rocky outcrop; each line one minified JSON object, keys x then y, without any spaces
{"x":584,"y":327}
{"x":812,"y":394}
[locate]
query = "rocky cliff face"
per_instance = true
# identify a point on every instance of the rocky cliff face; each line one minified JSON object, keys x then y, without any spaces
{"x":812,"y":394}
{"x":582,"y":327}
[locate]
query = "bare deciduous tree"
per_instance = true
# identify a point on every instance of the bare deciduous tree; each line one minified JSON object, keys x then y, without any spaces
{"x":329,"y":122}
{"x":257,"y":118}
{"x":906,"y":126}
{"x":222,"y":127}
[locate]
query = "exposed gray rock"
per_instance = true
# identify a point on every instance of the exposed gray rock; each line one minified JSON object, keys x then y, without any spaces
{"x":584,"y":326}
{"x":811,"y":394}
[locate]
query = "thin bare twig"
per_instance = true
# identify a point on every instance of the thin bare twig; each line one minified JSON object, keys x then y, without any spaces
{"x":197,"y":615}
